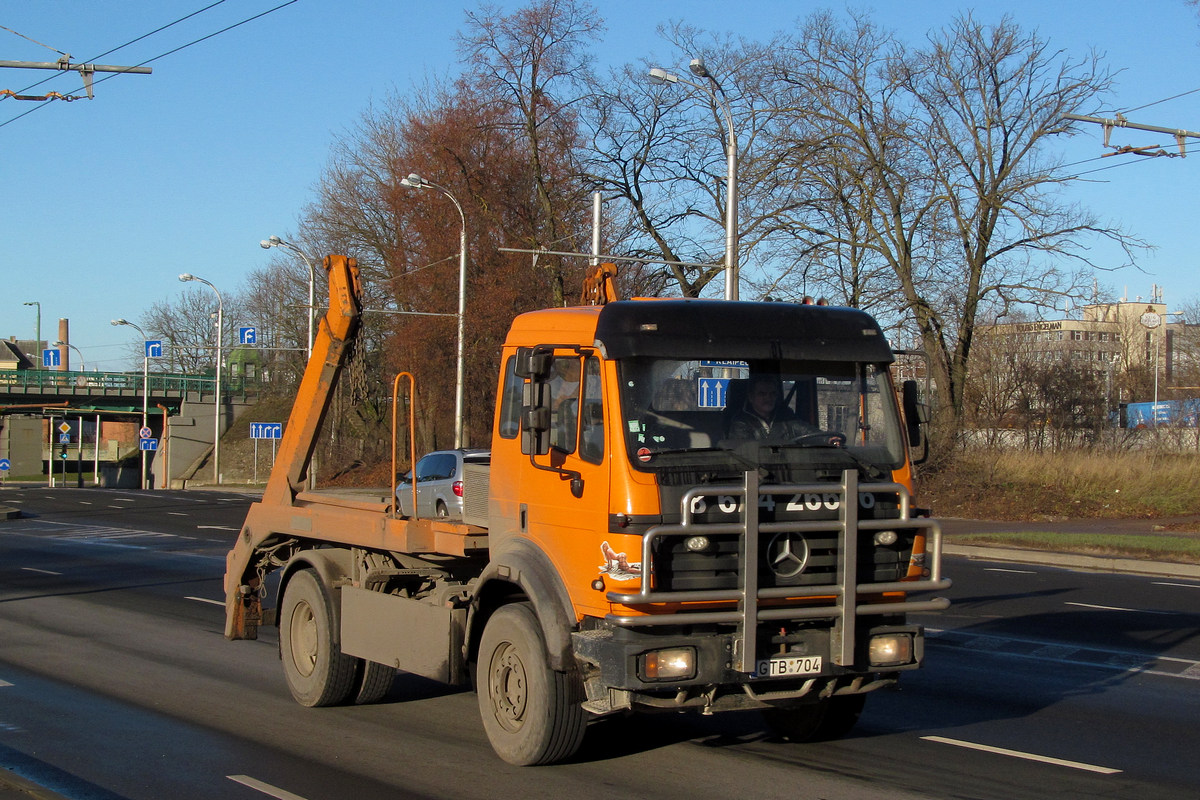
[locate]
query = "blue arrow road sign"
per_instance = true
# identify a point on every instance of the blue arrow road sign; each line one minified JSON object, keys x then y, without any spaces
{"x":154,"y":348}
{"x":710,"y":392}
{"x":147,"y":444}
{"x":248,"y":335}
{"x":5,"y":465}
{"x":266,"y":430}
{"x":51,"y":358}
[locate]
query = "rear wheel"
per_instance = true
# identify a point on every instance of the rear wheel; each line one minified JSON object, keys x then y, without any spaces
{"x":532,"y":714}
{"x":831,"y":718}
{"x":372,"y":681}
{"x":317,"y":672}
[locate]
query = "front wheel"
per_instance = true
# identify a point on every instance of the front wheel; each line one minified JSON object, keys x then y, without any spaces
{"x":531,"y":714}
{"x":318,"y":672}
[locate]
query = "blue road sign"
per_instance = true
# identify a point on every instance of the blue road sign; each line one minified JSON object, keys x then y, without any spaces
{"x":266,"y":430}
{"x":248,"y":336}
{"x":51,"y":358}
{"x":154,"y":348}
{"x":147,"y":444}
{"x":5,"y":465}
{"x":64,"y":438}
{"x":710,"y":392}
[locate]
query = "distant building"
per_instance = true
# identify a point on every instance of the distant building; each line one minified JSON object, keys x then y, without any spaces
{"x":1107,"y":336}
{"x":12,"y":356}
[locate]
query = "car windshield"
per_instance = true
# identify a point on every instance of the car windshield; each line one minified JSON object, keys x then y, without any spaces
{"x":740,"y":414}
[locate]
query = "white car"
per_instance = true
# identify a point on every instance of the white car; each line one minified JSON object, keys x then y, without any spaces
{"x":439,"y":483}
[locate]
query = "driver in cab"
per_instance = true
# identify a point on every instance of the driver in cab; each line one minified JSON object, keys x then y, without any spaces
{"x":765,"y":417}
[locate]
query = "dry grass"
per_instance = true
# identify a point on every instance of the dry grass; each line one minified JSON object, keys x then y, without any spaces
{"x":1010,"y":485}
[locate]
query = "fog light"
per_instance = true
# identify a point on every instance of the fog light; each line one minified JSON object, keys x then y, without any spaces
{"x":886,"y":538}
{"x":678,"y":663}
{"x":696,"y":544}
{"x":890,"y":650}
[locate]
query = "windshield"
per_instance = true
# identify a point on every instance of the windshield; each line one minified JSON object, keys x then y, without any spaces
{"x":688,"y":412}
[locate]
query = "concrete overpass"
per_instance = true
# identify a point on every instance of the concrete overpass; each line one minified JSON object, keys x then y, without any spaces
{"x":100,"y":414}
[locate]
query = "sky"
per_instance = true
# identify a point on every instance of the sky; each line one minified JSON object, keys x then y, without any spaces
{"x":106,"y":201}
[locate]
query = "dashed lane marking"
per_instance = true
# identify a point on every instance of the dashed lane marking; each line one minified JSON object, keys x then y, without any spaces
{"x":1003,"y":751}
{"x":265,"y":788}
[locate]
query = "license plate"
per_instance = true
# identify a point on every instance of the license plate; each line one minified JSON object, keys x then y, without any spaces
{"x":787,"y":666}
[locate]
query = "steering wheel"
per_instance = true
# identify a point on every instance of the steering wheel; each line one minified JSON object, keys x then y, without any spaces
{"x":821,"y":438}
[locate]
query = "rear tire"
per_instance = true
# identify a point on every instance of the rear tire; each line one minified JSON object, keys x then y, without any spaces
{"x":831,"y":718}
{"x":318,"y":673}
{"x":372,"y":681}
{"x":531,"y":714}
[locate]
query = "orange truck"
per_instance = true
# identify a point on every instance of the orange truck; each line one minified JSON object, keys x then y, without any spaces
{"x":649,"y":536}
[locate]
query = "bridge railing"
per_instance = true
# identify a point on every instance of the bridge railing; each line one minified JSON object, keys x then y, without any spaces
{"x":53,"y":381}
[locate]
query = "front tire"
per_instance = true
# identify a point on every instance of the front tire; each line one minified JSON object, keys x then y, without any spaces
{"x":318,"y":673}
{"x":531,"y":713}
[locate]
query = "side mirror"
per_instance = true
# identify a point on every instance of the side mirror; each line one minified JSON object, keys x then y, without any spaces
{"x":532,"y":364}
{"x":916,"y":413}
{"x":535,"y":420}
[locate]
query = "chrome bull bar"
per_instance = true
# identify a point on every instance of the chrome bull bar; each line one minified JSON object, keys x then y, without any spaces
{"x":845,"y":591}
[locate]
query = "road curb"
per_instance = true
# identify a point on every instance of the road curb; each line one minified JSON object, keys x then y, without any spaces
{"x":15,"y":787}
{"x":1126,"y":566}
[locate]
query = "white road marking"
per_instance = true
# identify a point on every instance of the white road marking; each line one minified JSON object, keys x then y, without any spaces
{"x":1015,"y":571}
{"x":215,"y":528}
{"x":178,"y":514}
{"x":43,"y":571}
{"x":1001,"y":751}
{"x":1119,"y":608}
{"x":265,"y":788}
{"x":1177,"y":585}
{"x":4,"y":683}
{"x":206,"y":600}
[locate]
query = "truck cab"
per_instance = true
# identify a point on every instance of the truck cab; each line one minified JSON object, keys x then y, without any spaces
{"x":628,"y":461}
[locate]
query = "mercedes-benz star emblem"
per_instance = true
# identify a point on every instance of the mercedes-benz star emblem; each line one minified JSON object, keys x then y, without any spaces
{"x":787,"y":554}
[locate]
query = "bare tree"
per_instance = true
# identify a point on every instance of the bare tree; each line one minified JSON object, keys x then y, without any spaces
{"x":534,"y":63}
{"x":943,"y":150}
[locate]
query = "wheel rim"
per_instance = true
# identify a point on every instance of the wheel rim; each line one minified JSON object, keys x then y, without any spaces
{"x":508,"y":687}
{"x":303,"y":639}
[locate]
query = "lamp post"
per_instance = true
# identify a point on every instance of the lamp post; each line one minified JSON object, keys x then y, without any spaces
{"x":698,"y":69}
{"x":415,"y":181}
{"x":275,"y":241}
{"x":145,"y":388}
{"x":82,"y":365}
{"x":38,"y":342}
{"x":185,"y":277}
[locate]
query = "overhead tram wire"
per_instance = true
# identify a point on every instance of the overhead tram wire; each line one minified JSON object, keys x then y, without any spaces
{"x":162,"y":55}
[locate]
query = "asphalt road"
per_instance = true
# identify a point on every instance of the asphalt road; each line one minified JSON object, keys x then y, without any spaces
{"x":115,"y":682}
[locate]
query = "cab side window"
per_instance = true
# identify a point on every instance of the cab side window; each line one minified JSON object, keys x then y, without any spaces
{"x":510,"y":401}
{"x":564,"y":402}
{"x":591,"y":439}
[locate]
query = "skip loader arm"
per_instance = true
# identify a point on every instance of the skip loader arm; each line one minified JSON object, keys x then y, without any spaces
{"x":243,"y":606}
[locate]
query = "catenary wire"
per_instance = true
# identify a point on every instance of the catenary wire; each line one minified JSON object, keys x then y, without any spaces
{"x":163,"y":55}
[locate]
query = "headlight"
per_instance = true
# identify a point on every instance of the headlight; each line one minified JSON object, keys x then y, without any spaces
{"x":696,"y":544}
{"x":890,"y":650}
{"x":677,"y":663}
{"x":886,"y":538}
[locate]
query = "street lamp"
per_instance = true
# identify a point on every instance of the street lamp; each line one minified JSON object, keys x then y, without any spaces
{"x":1151,"y":320}
{"x":275,"y":241}
{"x":145,"y":388}
{"x":185,"y":277}
{"x":698,"y":69}
{"x":38,"y":342}
{"x":82,"y":365}
{"x":415,"y":181}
